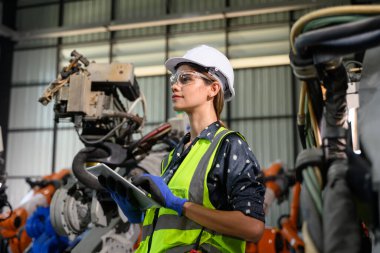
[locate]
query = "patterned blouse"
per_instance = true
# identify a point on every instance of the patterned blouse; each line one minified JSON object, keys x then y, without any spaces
{"x":232,"y":182}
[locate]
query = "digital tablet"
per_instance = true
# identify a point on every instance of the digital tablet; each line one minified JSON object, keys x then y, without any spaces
{"x":145,"y":202}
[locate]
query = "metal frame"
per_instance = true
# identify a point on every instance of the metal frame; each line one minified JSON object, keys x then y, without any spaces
{"x":6,"y":60}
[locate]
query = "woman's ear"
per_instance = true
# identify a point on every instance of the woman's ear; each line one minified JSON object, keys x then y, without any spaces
{"x":214,"y":89}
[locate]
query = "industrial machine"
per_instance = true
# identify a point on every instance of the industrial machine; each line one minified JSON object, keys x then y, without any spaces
{"x":45,"y":239}
{"x":335,"y":54}
{"x":100,"y":99}
{"x":12,"y":223}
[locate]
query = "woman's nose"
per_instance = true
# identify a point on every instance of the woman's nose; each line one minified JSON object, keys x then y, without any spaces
{"x":175,"y":86}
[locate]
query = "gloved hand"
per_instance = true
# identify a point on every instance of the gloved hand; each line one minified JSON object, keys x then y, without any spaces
{"x":123,"y":197}
{"x":160,"y":192}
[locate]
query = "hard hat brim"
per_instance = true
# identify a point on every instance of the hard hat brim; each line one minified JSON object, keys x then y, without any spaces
{"x":171,"y":63}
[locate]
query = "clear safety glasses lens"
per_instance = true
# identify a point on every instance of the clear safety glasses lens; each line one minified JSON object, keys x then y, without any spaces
{"x":185,"y":78}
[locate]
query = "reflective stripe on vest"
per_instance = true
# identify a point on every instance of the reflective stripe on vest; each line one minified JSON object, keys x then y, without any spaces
{"x":197,"y":182}
{"x":203,"y":248}
{"x":170,"y":221}
{"x":180,"y":233}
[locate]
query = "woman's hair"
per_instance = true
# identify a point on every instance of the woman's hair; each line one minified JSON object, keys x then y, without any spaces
{"x":219,"y":103}
{"x":219,"y":98}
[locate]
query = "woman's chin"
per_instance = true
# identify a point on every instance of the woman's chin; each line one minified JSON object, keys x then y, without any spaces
{"x":177,"y":108}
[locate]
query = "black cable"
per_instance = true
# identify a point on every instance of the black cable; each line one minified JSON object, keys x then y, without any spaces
{"x":306,"y":40}
{"x":79,"y":169}
{"x":316,"y":97}
{"x":350,"y":44}
{"x":323,"y":22}
{"x":154,"y":223}
{"x":198,"y":241}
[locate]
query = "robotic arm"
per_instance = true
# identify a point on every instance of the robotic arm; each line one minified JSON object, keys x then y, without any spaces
{"x":100,"y":100}
{"x":95,"y":99}
{"x":277,"y":182}
{"x":283,"y":238}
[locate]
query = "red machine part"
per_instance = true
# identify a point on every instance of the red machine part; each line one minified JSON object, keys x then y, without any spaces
{"x":12,"y":228}
{"x":289,"y":224}
{"x":279,"y":240}
{"x":272,"y":172}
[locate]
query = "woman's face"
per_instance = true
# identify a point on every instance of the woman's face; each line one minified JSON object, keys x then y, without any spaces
{"x":189,"y":89}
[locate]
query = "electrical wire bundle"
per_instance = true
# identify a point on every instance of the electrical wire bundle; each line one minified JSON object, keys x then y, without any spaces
{"x":319,"y":42}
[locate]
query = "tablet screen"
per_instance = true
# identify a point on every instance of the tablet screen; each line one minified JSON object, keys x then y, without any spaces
{"x":145,"y":202}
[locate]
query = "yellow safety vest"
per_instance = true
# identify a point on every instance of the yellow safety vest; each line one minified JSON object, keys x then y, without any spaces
{"x":168,"y":232}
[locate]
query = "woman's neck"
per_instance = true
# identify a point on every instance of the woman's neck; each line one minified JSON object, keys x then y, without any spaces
{"x":200,"y":120}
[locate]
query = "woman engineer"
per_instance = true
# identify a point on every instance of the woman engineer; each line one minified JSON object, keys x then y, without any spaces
{"x":211,"y":198}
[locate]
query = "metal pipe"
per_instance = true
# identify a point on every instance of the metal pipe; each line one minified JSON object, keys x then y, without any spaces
{"x":168,"y":19}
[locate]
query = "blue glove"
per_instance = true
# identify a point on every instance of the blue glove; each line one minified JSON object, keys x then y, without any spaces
{"x":160,"y":192}
{"x":134,"y":214}
{"x":124,"y":199}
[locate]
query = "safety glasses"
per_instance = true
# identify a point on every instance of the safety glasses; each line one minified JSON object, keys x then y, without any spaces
{"x":186,"y":77}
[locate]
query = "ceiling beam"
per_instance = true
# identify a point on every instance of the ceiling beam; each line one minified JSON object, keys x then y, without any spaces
{"x":169,"y":19}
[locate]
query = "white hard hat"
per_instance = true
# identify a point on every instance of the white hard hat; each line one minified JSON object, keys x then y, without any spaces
{"x":215,"y":62}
